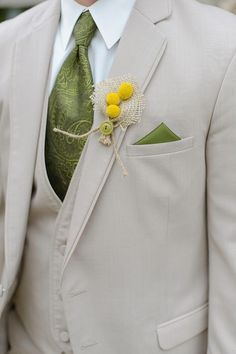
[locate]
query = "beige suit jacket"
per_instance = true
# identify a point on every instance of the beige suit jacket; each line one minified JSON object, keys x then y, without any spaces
{"x":162,"y":241}
{"x":18,"y":3}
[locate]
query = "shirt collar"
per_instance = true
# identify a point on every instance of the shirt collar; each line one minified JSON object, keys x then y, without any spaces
{"x":110,"y":17}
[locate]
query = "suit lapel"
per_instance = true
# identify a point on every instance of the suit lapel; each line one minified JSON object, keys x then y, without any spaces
{"x":29,"y":81}
{"x":148,"y":46}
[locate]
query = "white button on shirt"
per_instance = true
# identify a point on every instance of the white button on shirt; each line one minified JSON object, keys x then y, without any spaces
{"x":110,"y":17}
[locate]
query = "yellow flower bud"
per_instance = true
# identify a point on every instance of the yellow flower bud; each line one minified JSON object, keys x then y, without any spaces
{"x":113,"y":111}
{"x":126,"y":91}
{"x":113,"y":98}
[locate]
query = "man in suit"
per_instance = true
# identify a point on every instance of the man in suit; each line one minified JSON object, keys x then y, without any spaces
{"x":92,"y":261}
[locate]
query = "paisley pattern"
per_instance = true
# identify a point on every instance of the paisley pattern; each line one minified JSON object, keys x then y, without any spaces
{"x":70,"y":109}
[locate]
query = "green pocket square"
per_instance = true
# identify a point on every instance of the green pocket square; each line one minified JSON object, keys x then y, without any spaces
{"x":161,"y":134}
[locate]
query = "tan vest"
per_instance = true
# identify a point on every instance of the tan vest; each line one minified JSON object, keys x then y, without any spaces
{"x":36,"y":323}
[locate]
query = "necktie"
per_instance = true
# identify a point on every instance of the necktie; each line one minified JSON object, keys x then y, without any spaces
{"x":70,"y":109}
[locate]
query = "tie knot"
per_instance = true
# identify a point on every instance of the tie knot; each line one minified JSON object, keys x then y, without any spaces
{"x":84,"y":29}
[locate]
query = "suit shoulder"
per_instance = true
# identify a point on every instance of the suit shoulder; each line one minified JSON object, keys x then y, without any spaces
{"x":213,"y":25}
{"x":199,"y":9}
{"x":11,"y":29}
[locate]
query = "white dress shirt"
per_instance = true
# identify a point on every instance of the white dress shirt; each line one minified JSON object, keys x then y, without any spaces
{"x":110,"y":17}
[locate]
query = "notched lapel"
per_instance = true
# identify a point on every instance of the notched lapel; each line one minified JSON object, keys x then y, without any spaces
{"x":29,"y":80}
{"x":139,"y":52}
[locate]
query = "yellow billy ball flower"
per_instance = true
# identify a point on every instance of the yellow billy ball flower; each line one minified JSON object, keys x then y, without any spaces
{"x":113,"y":111}
{"x":126,"y":91}
{"x":113,"y":98}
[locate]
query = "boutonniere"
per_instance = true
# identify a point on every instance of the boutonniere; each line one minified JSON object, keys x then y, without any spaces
{"x":121,"y":102}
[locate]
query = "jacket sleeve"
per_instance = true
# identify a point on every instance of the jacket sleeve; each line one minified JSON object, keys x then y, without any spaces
{"x":3,"y":327}
{"x":221,"y":209}
{"x":3,"y":331}
{"x":3,"y":337}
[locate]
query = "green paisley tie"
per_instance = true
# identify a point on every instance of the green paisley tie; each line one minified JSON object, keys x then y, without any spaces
{"x":70,"y":109}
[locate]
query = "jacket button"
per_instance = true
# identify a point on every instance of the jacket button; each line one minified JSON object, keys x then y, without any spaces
{"x":64,"y":336}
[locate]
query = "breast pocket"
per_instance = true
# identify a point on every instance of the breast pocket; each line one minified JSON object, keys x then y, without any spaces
{"x":162,"y":170}
{"x":159,"y":149}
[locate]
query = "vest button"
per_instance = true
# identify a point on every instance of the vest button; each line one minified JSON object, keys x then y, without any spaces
{"x":64,"y":336}
{"x":2,"y":290}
